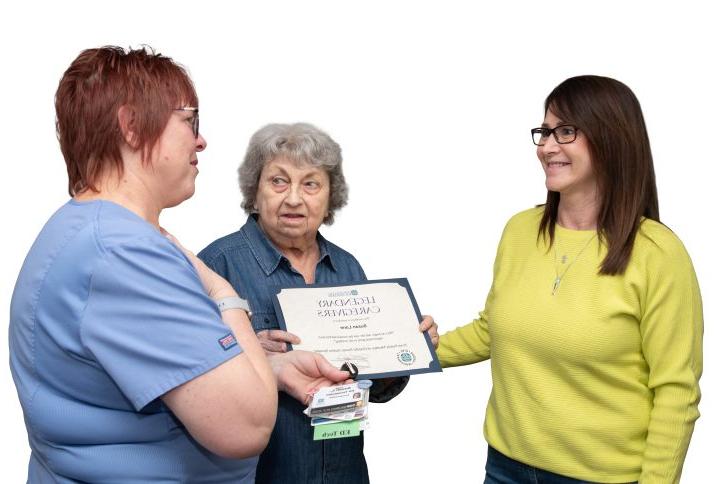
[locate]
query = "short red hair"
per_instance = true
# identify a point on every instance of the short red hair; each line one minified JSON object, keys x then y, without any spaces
{"x":93,"y":89}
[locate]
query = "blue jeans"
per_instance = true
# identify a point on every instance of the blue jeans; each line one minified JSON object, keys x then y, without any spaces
{"x":504,"y":470}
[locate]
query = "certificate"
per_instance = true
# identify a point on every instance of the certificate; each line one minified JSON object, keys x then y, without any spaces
{"x":373,"y":324}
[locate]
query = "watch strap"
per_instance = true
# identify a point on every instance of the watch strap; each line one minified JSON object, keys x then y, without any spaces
{"x":233,"y":303}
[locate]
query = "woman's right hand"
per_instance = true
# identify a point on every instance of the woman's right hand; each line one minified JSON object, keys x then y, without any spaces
{"x":301,"y":373}
{"x":275,"y":340}
{"x":215,"y":285}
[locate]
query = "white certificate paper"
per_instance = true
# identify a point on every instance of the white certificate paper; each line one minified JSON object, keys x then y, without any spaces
{"x":373,"y":324}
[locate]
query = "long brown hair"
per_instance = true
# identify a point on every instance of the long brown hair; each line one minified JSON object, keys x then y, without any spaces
{"x":609,"y":115}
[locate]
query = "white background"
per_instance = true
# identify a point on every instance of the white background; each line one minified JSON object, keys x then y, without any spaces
{"x":432,"y":103}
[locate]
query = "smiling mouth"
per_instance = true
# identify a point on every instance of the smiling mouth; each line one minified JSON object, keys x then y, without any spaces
{"x":557,"y":164}
{"x":195,"y":162}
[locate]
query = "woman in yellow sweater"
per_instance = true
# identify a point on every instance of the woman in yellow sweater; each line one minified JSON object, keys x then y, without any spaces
{"x":593,"y":322}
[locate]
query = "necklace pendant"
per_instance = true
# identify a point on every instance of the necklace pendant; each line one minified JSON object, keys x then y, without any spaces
{"x":557,"y":281}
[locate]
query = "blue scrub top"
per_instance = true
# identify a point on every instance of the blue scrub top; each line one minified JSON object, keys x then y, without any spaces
{"x":108,"y":315}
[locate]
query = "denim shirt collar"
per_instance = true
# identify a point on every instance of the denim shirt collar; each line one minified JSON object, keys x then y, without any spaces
{"x":267,"y":255}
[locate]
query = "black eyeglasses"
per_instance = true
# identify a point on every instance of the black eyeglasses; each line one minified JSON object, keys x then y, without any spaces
{"x":566,"y":133}
{"x":194,"y":119}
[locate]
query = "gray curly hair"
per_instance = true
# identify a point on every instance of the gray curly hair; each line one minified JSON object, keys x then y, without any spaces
{"x":302,"y":143}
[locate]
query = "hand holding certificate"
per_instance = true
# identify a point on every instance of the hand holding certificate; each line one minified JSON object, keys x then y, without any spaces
{"x":373,"y":324}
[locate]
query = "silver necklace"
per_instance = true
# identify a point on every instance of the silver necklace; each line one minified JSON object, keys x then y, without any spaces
{"x":559,"y":277}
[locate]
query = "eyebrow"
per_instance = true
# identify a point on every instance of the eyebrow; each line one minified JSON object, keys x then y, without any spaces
{"x":279,"y":169}
{"x":560,"y":123}
{"x":318,"y":170}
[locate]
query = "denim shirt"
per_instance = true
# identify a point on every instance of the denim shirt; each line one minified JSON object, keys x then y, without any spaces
{"x":257,"y":270}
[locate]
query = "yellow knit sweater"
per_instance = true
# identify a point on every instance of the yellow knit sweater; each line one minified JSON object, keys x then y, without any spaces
{"x":600,"y":380}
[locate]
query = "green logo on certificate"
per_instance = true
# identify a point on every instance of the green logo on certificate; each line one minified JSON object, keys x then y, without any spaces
{"x":406,"y":357}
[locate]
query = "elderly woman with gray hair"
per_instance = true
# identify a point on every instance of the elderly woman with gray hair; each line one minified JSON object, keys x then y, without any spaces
{"x":292,"y":182}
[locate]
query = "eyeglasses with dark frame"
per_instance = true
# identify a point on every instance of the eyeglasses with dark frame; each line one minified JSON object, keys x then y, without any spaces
{"x":194,"y":119}
{"x":564,"y":134}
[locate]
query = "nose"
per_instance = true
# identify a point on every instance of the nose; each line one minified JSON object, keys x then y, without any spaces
{"x":200,"y":143}
{"x":293,"y":197}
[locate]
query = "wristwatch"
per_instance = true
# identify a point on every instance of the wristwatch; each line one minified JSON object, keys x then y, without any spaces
{"x":233,"y":303}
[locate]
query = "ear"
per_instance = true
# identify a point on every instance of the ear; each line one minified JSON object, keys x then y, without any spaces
{"x":127,"y":123}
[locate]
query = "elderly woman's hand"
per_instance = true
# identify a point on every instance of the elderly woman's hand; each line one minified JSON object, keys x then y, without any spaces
{"x":275,"y":340}
{"x":432,"y":328}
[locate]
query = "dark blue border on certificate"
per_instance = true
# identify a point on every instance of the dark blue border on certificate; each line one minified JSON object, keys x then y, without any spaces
{"x":434,"y":364}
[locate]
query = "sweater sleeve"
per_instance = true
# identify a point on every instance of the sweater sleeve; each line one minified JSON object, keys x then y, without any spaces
{"x":671,"y":328}
{"x":467,"y":344}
